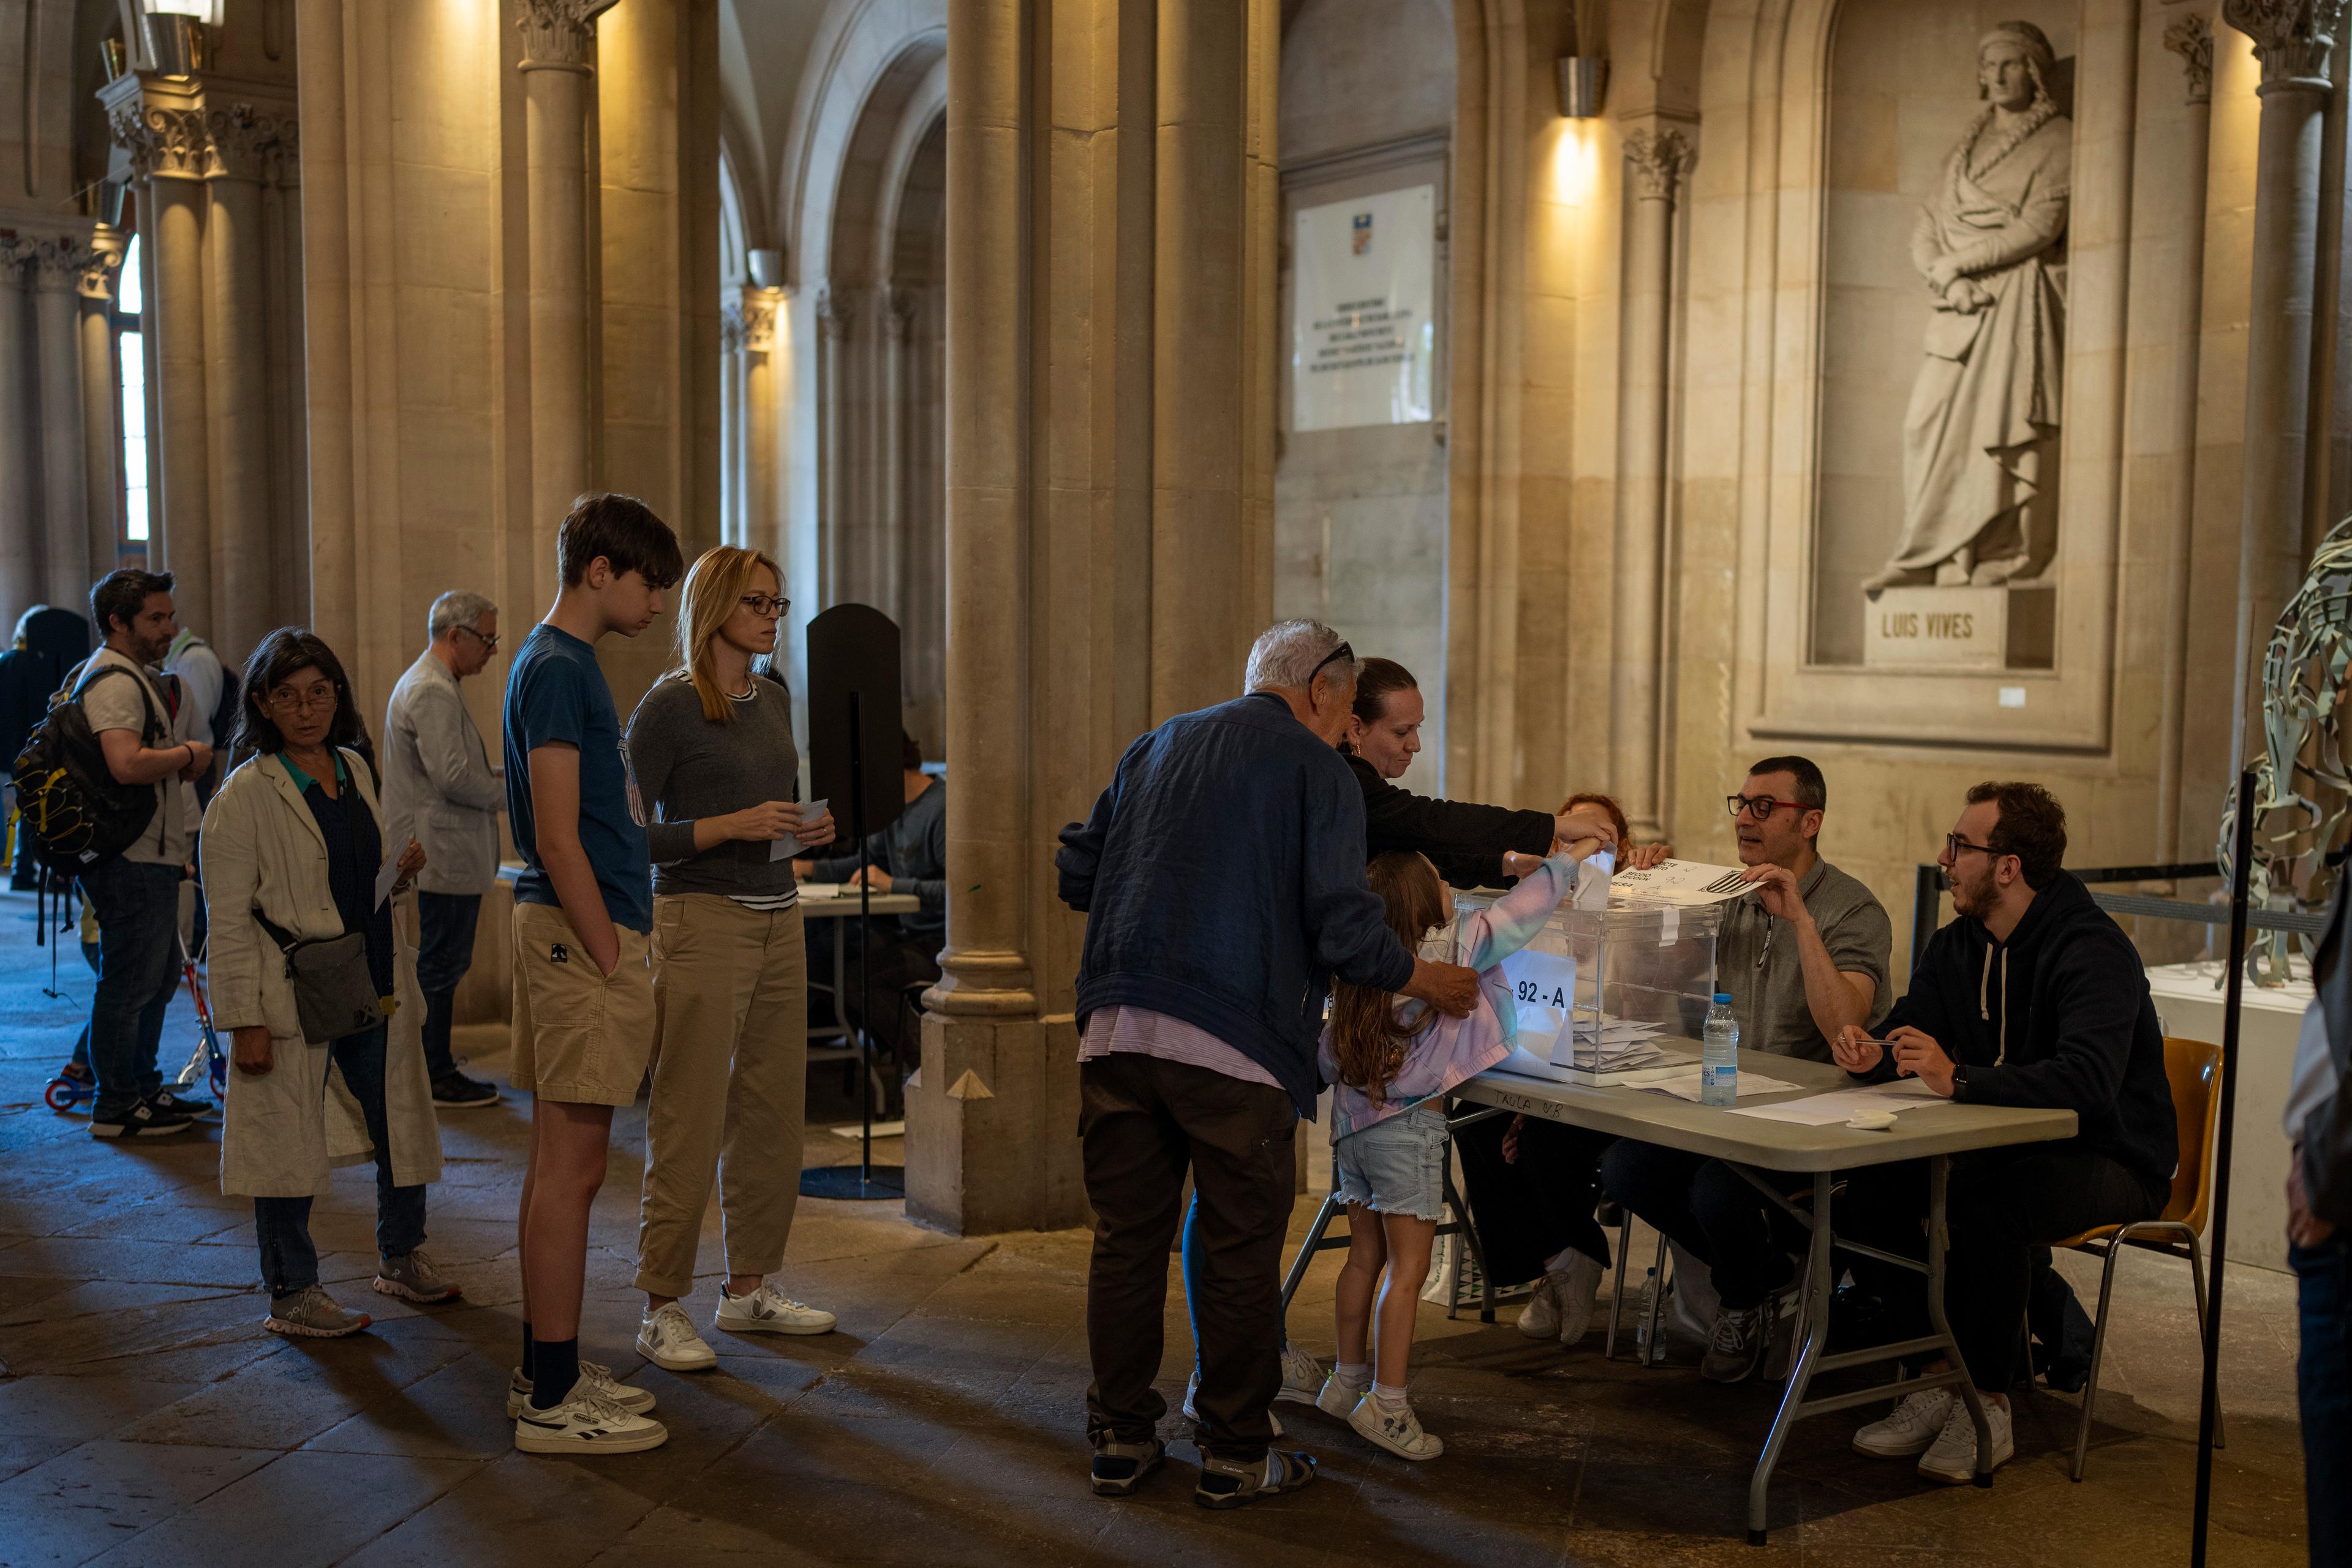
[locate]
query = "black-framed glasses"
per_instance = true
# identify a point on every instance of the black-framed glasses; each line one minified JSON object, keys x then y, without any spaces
{"x":1758,"y":806}
{"x":489,"y":640}
{"x":1954,"y":844}
{"x":1343,"y":652}
{"x":766,"y":604}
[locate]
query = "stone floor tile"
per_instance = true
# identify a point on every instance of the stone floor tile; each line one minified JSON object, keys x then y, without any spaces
{"x":103,"y":1493}
{"x":303,"y":1510}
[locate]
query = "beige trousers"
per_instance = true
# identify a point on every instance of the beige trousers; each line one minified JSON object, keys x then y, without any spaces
{"x":730,"y":1085}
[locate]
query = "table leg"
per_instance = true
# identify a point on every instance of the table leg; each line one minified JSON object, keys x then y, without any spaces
{"x":1940,"y":1170}
{"x":1819,"y":1280}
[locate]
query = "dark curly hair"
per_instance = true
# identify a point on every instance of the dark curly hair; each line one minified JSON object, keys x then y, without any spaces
{"x":2032,"y":827}
{"x":287,"y":652}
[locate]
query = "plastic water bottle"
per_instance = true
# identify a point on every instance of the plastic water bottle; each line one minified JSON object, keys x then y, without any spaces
{"x":1718,"y":1061}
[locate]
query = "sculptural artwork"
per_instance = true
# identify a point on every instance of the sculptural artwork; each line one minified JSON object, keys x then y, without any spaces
{"x":1980,"y":439}
{"x":2303,"y":802}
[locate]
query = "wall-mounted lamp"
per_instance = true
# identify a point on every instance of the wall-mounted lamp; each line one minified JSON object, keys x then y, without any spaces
{"x":175,"y":33}
{"x":1583,"y":82}
{"x":768,"y":268}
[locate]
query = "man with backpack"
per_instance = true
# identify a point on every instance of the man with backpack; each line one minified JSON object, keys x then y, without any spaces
{"x":142,"y":729}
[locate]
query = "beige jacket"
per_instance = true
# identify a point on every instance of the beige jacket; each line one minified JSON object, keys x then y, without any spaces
{"x":284,"y":1129}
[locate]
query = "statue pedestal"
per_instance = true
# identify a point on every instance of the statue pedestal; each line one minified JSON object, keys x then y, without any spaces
{"x":2006,"y":627}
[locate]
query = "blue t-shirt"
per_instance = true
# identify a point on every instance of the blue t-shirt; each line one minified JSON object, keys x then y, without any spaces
{"x":555,"y":693}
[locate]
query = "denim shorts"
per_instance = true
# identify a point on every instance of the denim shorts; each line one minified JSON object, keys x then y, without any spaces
{"x":1396,"y":1166}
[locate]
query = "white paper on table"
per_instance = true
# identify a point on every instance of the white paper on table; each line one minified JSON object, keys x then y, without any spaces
{"x":1840,"y":1104}
{"x":385,"y":876}
{"x":785,"y":848}
{"x":1687,"y":882}
{"x":1683,"y":1083}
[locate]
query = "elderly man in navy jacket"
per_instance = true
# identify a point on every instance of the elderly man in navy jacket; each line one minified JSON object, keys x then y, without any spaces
{"x":1222,"y":875}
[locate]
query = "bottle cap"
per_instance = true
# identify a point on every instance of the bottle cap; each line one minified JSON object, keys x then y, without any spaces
{"x":1723,"y":997}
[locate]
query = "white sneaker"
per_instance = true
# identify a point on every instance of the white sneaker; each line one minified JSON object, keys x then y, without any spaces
{"x":1911,"y":1428}
{"x":665,"y":1337}
{"x":768,"y":1310}
{"x":1302,"y":1376}
{"x":586,"y":1423}
{"x":1398,"y":1430}
{"x":1194,"y":1387}
{"x":1574,"y":1287}
{"x":592,"y":1374}
{"x":1953,"y":1458}
{"x":1539,"y":1319}
{"x":1338,"y":1399}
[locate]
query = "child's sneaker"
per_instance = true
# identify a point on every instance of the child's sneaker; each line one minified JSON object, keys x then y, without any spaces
{"x":1120,"y":1467}
{"x":586,"y":1423}
{"x":1396,"y":1428}
{"x":1236,"y":1483}
{"x":1302,"y":1376}
{"x":1339,"y":1398}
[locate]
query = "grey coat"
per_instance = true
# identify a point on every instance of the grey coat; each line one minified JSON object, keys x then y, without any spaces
{"x":438,"y":785}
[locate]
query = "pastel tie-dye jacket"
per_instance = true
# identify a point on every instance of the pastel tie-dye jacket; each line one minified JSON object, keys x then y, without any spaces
{"x":1453,"y":1050}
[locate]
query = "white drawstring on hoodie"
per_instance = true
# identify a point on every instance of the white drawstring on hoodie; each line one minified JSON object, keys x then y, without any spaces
{"x":1984,"y":1011}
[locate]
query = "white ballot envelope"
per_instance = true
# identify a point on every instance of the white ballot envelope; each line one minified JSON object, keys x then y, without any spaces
{"x":785,"y":848}
{"x":386,"y":875}
{"x":1593,"y":880}
{"x":1680,"y":882}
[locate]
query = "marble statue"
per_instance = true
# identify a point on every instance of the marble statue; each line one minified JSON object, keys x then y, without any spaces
{"x":1980,"y":439}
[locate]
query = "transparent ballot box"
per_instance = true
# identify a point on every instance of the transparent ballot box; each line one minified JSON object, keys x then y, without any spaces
{"x":1604,"y":993}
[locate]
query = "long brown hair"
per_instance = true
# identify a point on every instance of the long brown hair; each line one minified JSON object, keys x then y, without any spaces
{"x":713,"y":590}
{"x":1365,"y":1038}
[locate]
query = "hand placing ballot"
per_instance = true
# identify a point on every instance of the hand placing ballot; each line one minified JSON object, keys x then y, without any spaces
{"x":1917,"y":1055}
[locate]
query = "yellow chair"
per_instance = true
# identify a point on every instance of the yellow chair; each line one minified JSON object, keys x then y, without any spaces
{"x":2194,"y":1069}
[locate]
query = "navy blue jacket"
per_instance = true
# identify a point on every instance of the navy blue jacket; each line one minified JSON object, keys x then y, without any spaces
{"x":1222,"y":876}
{"x":2058,"y":1016}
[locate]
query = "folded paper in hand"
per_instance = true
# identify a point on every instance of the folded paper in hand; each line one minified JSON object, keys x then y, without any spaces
{"x":785,"y":848}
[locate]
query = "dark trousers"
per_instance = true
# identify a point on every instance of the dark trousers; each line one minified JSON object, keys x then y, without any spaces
{"x":1713,"y":1214}
{"x":1528,"y":1210}
{"x":1142,"y":1123}
{"x":2000,"y":1205}
{"x":138,"y":908}
{"x":2322,"y":1381}
{"x":445,"y":951}
{"x":288,"y":1261}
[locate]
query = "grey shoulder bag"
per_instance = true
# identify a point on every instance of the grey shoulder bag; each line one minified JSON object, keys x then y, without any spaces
{"x":334,"y":992}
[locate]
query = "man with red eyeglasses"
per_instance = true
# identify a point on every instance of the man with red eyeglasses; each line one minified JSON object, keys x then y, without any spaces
{"x":1804,"y":957}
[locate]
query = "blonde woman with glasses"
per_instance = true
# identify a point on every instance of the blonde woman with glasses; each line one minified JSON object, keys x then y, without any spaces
{"x":711,"y":758}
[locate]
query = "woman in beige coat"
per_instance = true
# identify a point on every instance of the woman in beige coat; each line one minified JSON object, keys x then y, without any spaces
{"x":293,"y":841}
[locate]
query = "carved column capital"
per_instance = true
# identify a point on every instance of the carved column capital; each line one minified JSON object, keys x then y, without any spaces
{"x":758,"y":315}
{"x":2293,"y":38}
{"x":732,"y":331}
{"x":835,"y":311}
{"x":15,"y":256}
{"x":242,"y":138}
{"x":2191,"y":37}
{"x":558,"y":35}
{"x":1658,"y":159}
{"x":899,"y":307}
{"x":162,"y":129}
{"x":57,"y":264}
{"x":102,"y":272}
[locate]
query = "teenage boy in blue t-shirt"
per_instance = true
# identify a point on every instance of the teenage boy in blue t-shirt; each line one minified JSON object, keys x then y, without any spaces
{"x":584,"y":994}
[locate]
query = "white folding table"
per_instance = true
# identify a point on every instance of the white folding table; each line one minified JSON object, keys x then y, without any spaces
{"x":1931,"y":1133}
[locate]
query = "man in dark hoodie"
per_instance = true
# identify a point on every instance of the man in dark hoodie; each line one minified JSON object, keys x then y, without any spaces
{"x":1222,"y":875}
{"x":2033,"y":997}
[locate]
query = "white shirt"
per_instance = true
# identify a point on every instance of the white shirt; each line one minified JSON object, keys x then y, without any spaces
{"x":2315,"y":1072}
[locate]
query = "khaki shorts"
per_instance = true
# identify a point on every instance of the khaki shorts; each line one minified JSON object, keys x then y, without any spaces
{"x":580,"y":1037}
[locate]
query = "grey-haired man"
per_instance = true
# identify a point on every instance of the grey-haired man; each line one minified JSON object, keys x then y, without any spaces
{"x":438,"y":789}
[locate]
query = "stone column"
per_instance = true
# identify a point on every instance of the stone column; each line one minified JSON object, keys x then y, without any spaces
{"x":559,"y":39}
{"x":899,"y":306}
{"x":835,"y":315}
{"x":1656,"y":158}
{"x":160,"y":120}
{"x":760,"y":413}
{"x":22,"y":585}
{"x":1201,"y":590}
{"x":2190,"y":37}
{"x":237,"y":386}
{"x":56,"y":272}
{"x":102,"y":429}
{"x":733,"y":457}
{"x":2292,"y":39}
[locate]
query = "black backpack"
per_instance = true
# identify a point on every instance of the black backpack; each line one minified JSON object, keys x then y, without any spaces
{"x":76,"y":816}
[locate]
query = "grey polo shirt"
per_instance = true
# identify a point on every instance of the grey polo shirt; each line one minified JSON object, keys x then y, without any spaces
{"x":1756,"y":961}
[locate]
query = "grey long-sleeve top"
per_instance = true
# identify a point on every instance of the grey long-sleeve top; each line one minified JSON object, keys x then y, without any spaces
{"x":683,"y":768}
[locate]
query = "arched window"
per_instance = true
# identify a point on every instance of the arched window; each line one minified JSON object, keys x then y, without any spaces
{"x":130,"y":383}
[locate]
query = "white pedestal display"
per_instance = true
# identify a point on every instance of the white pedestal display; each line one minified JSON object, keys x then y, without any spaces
{"x":1959,"y":629}
{"x":2190,"y":1007}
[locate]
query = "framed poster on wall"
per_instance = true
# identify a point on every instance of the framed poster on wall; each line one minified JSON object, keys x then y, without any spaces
{"x":1363,"y":332}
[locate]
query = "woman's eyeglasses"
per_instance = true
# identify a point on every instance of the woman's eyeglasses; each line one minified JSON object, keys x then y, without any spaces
{"x":286,"y":699}
{"x":766,"y":604}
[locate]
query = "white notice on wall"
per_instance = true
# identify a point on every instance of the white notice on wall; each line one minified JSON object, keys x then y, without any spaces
{"x":1363,"y":336}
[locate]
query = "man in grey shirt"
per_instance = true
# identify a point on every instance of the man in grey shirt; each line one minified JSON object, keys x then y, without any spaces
{"x":439,"y":789}
{"x":1802,"y":958}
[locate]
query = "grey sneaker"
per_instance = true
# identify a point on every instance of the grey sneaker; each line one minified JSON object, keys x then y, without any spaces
{"x":1740,"y":1336}
{"x":412,"y":1278}
{"x":311,"y":1314}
